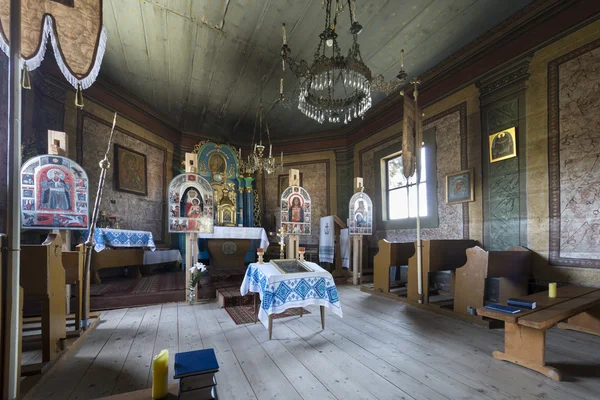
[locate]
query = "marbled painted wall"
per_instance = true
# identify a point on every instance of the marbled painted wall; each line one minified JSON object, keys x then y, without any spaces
{"x":448,"y":141}
{"x":3,"y":132}
{"x":315,"y":178}
{"x":579,"y":161}
{"x":138,"y":212}
{"x":345,"y":189}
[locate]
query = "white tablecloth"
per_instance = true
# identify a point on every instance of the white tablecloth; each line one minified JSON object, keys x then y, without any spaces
{"x":232,"y":232}
{"x":279,"y":291}
{"x":162,"y":257}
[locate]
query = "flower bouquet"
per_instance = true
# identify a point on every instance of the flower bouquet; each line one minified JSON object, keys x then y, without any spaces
{"x":197,"y":271}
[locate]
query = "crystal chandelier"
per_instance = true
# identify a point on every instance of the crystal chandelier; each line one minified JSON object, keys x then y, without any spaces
{"x":256,"y":161}
{"x":333,"y":88}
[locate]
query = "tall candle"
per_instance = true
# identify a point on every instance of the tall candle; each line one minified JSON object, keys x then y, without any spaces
{"x":282,"y":158}
{"x":240,"y":154}
{"x":281,"y":86}
{"x":552,"y":290}
{"x":284,"y":34}
{"x":270,"y":150}
{"x":160,"y":375}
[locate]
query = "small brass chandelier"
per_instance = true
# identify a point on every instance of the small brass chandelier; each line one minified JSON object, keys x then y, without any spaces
{"x":257,"y":161}
{"x":333,"y":88}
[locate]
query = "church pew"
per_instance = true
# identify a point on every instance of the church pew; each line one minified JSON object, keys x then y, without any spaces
{"x":389,"y":255}
{"x":437,"y":255}
{"x":73,"y":263}
{"x":43,"y":279}
{"x":114,"y":259}
{"x":512,"y":267}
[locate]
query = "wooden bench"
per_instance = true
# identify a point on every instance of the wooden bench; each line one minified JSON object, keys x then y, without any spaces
{"x":389,"y":255}
{"x":512,"y":267}
{"x":43,"y":279}
{"x":525,"y":332}
{"x":437,"y":255}
{"x":114,"y":259}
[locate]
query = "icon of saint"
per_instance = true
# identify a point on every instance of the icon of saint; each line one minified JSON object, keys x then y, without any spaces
{"x":55,"y":191}
{"x":296,"y":213}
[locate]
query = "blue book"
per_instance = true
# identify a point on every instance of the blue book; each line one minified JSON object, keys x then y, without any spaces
{"x":503,"y":308}
{"x":522,"y":303}
{"x":195,"y":363}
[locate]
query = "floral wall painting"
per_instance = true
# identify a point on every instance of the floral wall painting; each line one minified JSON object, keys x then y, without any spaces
{"x":503,"y":145}
{"x":55,"y":194}
{"x":190,"y":204}
{"x":459,"y":187}
{"x":131,"y":171}
{"x":296,"y":211}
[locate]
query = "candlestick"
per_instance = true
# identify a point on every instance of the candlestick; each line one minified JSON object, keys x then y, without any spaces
{"x":284,"y":34}
{"x":552,"y":290}
{"x":281,"y":86}
{"x":270,"y":150}
{"x":160,"y":375}
{"x":282,"y":159}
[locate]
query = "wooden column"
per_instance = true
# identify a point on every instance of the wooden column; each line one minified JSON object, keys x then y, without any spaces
{"x":191,"y":239}
{"x":293,"y":241}
{"x":58,"y":144}
{"x":357,"y":242}
{"x":12,"y":346}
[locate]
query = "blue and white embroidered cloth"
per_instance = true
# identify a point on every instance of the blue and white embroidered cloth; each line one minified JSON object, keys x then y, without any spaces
{"x":105,"y":237}
{"x":279,"y":291}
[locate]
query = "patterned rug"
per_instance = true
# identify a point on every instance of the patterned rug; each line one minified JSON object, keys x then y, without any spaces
{"x":245,"y":314}
{"x":157,"y":288}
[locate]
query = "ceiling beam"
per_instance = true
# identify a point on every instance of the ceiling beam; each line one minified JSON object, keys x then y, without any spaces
{"x":273,"y":68}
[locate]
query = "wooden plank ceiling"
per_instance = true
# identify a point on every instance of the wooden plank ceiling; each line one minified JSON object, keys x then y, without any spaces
{"x":201,"y":61}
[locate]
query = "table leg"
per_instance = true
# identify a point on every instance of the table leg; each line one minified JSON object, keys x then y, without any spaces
{"x":255,"y":308}
{"x":526,"y":347}
{"x":270,"y":326}
{"x":301,"y":311}
{"x":323,"y":317}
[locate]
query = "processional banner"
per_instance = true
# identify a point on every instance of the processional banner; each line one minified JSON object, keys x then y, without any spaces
{"x":191,"y":206}
{"x":296,"y":211}
{"x":55,"y":194}
{"x":74,"y":29}
{"x":412,"y":136}
{"x":361,"y":215}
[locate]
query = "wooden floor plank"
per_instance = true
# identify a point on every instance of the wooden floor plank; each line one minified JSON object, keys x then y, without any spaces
{"x":137,"y":365}
{"x":231,"y":380}
{"x":189,"y":335}
{"x":167,"y":337}
{"x":101,"y":378}
{"x":307,"y":385}
{"x":366,"y":377}
{"x":381,"y":349}
{"x":266,"y":379}
{"x":61,"y":382}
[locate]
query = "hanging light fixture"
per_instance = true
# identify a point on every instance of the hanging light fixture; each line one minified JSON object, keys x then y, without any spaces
{"x":333,"y":88}
{"x":380,"y":85}
{"x":256,"y":160}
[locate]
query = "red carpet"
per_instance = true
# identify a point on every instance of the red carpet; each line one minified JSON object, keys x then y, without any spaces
{"x":158,"y":288}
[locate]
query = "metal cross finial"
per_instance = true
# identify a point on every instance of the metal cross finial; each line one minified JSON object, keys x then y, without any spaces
{"x":415,"y":82}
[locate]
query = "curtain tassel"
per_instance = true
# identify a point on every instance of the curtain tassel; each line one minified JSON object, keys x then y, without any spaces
{"x":25,"y":81}
{"x":79,"y":96}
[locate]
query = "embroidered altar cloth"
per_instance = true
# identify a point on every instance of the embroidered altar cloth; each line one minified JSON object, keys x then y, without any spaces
{"x":226,"y":232}
{"x":279,"y":291}
{"x":105,"y":237}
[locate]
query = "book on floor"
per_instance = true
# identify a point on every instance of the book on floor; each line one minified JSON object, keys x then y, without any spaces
{"x":503,"y":308}
{"x":209,"y":393}
{"x":195,"y":362}
{"x":195,"y":382}
{"x":522,"y":303}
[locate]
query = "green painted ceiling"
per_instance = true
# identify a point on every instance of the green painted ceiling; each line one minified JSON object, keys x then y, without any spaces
{"x":200,"y":61}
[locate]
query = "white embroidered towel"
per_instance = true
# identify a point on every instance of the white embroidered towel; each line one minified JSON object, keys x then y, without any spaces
{"x":345,"y":247}
{"x":327,"y":240}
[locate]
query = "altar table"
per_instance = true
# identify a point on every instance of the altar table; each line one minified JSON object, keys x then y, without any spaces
{"x":128,"y":248}
{"x":105,"y":237}
{"x":233,"y":232}
{"x":279,"y":291}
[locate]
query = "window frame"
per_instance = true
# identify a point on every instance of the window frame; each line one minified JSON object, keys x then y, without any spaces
{"x":380,"y":159}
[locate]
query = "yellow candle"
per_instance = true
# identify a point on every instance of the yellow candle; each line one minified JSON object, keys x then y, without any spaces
{"x":160,"y":375}
{"x":552,"y":290}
